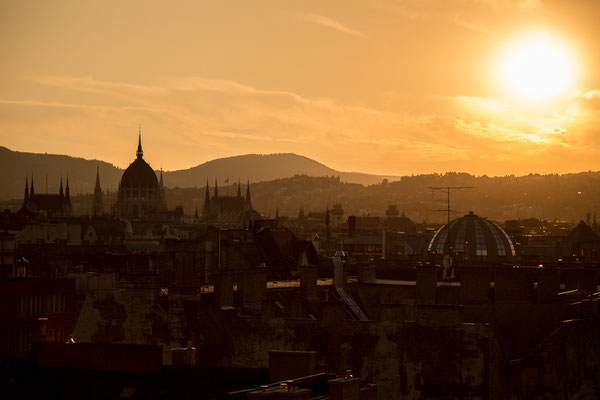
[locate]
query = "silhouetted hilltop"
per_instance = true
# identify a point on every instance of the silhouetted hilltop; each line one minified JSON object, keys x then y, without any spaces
{"x":276,"y":183}
{"x":16,"y":165}
{"x":261,"y":167}
{"x":82,"y":173}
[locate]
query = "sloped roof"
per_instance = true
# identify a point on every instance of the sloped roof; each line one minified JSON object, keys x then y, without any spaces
{"x":582,"y":233}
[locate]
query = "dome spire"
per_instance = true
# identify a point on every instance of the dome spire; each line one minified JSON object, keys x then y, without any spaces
{"x":140,"y":152}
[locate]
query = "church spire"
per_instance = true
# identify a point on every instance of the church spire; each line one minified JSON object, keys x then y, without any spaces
{"x":97,"y":187}
{"x":206,"y":209}
{"x":98,"y":204}
{"x":216,"y":196}
{"x":248,"y":199}
{"x":26,"y":197}
{"x":32,"y":192}
{"x":67,"y":193}
{"x":60,"y":191}
{"x":140,"y":152}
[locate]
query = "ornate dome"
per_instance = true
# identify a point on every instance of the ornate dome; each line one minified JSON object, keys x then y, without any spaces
{"x":140,"y":193}
{"x":139,"y":173}
{"x":473,"y":238}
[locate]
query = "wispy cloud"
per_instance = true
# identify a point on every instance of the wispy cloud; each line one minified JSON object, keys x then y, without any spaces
{"x":191,"y":120}
{"x":471,"y":26}
{"x":333,"y":24}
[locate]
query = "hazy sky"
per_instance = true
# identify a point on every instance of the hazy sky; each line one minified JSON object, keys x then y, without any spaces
{"x":379,"y":86}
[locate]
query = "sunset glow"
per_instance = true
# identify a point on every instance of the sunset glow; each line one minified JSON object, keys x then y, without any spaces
{"x":382,"y":87}
{"x":538,"y":67}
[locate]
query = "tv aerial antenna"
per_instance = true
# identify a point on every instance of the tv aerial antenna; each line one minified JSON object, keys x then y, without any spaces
{"x":448,"y":271}
{"x":448,"y":190}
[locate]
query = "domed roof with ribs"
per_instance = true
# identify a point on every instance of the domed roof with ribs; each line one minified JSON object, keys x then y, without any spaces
{"x":474,"y":238}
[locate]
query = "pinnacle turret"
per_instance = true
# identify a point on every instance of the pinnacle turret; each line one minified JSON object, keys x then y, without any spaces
{"x":140,"y":153}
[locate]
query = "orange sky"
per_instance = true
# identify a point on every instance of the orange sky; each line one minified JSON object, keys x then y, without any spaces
{"x":381,"y":86}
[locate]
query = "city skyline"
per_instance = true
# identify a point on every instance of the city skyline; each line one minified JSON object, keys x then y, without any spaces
{"x":386,"y":87}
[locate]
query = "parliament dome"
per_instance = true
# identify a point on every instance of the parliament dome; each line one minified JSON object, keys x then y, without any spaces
{"x":140,"y":193}
{"x":139,"y":173}
{"x":472,"y":238}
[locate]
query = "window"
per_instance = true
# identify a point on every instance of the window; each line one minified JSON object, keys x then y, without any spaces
{"x":459,"y":241}
{"x":499,"y":244}
{"x":480,"y":245}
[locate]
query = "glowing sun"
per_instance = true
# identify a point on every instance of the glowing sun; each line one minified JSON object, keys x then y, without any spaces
{"x":537,"y":67}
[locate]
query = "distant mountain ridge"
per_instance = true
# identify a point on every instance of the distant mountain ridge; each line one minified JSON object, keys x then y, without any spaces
{"x":15,"y":166}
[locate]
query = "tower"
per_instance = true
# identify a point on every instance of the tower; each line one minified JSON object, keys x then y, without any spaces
{"x":206,"y":206}
{"x":67,"y":201}
{"x":26,"y":197}
{"x":248,"y":199}
{"x":98,"y":206}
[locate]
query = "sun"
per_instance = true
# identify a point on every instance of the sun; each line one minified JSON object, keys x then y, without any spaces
{"x":537,"y":68}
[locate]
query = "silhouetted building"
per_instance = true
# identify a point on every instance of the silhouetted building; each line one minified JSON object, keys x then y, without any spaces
{"x":582,"y":241}
{"x":98,"y":206}
{"x":140,"y":192}
{"x":392,"y":211}
{"x":229,"y":209}
{"x":36,"y":309}
{"x":474,"y":239}
{"x":337,"y":217}
{"x":52,"y":205}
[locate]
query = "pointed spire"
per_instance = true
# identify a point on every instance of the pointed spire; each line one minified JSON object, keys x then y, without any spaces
{"x":60,"y":191}
{"x":140,"y":152}
{"x":216,"y":190}
{"x":26,"y":197}
{"x":67,"y":193}
{"x":207,"y":196}
{"x":206,"y":208}
{"x":97,"y":187}
{"x":32,"y":190}
{"x":98,"y":205}
{"x":239,"y":194}
{"x":248,"y":199}
{"x":160,"y":184}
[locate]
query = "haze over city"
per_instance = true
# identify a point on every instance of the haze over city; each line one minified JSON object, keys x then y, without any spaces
{"x":384,"y":87}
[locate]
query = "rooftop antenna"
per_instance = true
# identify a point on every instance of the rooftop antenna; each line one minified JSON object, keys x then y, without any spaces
{"x":448,"y":190}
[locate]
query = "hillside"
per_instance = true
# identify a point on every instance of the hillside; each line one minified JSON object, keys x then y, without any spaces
{"x":258,"y":168}
{"x":15,"y":166}
{"x":562,"y":197}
